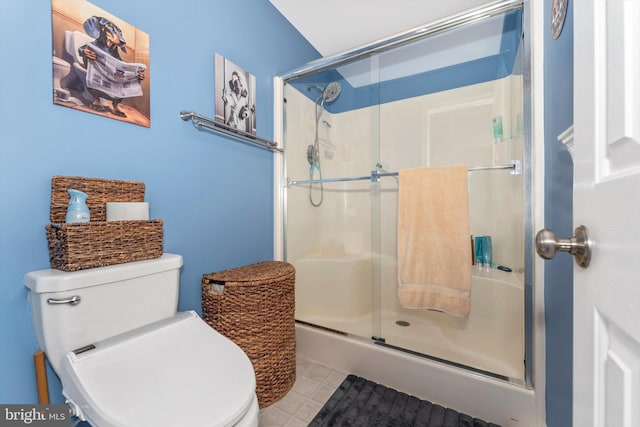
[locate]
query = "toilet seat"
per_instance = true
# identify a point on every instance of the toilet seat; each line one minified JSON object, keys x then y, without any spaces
{"x":178,"y":371}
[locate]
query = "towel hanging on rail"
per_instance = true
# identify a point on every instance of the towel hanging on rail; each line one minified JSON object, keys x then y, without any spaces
{"x":434,"y":255}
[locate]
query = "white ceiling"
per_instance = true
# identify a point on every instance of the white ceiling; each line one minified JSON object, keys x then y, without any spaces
{"x":336,"y":26}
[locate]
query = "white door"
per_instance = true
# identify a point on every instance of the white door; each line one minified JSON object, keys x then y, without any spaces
{"x":606,"y":354}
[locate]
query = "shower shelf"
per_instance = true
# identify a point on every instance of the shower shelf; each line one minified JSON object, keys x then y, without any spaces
{"x":200,"y":122}
{"x":515,"y":166}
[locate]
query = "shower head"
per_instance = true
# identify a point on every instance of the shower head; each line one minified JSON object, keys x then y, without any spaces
{"x":327,"y":94}
{"x":331,"y":92}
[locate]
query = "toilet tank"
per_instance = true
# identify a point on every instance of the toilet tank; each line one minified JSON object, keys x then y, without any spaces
{"x":75,"y":309}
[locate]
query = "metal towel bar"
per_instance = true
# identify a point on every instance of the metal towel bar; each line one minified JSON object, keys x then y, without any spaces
{"x":515,"y":166}
{"x":205,"y":122}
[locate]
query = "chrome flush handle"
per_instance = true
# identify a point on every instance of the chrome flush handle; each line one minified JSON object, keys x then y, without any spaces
{"x":578,"y":245}
{"x":71,"y":301}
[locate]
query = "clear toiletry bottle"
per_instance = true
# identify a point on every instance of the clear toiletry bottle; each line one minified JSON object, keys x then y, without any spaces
{"x":77,"y":211}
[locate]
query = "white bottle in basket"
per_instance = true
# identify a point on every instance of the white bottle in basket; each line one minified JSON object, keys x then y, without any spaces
{"x":77,"y":211}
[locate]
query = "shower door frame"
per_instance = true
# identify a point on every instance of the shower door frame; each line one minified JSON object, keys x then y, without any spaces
{"x":437,"y":27}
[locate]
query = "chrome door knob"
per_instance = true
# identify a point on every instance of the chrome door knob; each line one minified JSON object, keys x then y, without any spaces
{"x":578,"y":245}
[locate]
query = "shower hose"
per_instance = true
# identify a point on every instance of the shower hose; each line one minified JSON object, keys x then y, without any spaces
{"x":315,"y":166}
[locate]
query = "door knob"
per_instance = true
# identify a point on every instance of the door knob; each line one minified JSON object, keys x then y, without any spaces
{"x":578,"y":245}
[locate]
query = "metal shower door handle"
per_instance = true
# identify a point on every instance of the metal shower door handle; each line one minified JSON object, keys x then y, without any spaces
{"x":578,"y":245}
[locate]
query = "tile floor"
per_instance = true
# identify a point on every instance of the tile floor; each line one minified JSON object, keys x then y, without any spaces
{"x":314,"y":385}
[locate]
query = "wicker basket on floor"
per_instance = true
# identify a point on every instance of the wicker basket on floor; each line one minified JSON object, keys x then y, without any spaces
{"x":255,"y":309}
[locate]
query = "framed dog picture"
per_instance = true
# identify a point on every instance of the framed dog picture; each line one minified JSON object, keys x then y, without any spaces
{"x":235,"y":96}
{"x":100,"y":63}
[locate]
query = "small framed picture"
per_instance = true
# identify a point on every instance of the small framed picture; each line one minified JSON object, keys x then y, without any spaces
{"x":235,"y":95}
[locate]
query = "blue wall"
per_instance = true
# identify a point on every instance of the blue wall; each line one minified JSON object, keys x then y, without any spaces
{"x":454,"y":76}
{"x":558,"y":214}
{"x":214,"y":195}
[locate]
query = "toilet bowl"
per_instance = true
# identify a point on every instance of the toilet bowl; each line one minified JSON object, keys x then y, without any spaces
{"x":125,"y":357}
{"x":75,"y":80}
{"x":178,"y":363}
{"x":61,"y":69}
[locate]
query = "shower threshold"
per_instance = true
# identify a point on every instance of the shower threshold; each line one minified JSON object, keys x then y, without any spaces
{"x":382,"y":341}
{"x":476,"y":393}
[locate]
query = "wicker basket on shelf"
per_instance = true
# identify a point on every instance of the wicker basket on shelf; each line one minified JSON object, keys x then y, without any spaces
{"x":99,"y":243}
{"x":255,"y":308}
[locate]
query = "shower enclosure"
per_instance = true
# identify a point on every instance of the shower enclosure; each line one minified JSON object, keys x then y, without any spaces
{"x":451,"y":93}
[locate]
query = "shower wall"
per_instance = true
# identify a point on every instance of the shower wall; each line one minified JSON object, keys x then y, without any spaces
{"x":455,"y":127}
{"x":345,"y":250}
{"x":342,"y":225}
{"x":441,"y":129}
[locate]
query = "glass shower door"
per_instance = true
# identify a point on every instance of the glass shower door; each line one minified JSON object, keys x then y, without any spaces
{"x":455,"y":97}
{"x":329,"y":220}
{"x":458,"y":125}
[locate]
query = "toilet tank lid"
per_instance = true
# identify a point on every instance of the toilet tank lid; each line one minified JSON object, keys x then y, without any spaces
{"x":52,"y":280}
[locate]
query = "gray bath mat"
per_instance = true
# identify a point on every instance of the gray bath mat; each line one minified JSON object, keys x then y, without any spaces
{"x":360,"y":402}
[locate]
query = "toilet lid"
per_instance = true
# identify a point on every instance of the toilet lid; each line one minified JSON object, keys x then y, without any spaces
{"x":178,"y":371}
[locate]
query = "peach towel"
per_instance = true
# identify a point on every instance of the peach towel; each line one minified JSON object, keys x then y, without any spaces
{"x":434,"y":254}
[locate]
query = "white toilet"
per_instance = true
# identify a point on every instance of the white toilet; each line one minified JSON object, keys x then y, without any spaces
{"x":61,"y":69}
{"x":125,"y":357}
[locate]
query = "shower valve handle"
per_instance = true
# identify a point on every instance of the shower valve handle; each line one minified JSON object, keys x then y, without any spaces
{"x":578,"y":245}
